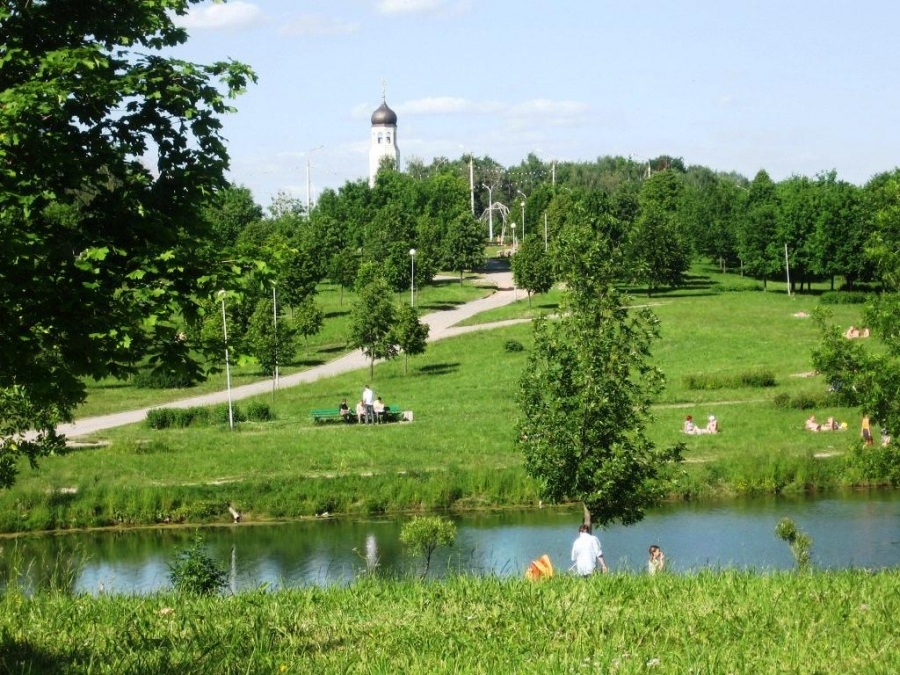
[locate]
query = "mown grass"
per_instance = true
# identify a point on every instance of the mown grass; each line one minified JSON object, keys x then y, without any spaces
{"x":459,"y":452}
{"x":110,"y":395}
{"x":710,"y":622}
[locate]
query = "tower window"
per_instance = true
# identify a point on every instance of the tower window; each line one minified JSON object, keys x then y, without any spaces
{"x":389,"y":139}
{"x":379,"y":139}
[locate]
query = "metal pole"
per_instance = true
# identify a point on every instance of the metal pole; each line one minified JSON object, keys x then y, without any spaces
{"x":275,"y":325}
{"x":471,"y":184}
{"x":545,"y":232}
{"x":227,"y":364}
{"x":490,"y":212}
{"x":787,"y":267}
{"x":412,"y":277}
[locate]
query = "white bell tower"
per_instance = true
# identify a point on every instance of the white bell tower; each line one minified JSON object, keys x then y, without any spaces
{"x":384,"y":139}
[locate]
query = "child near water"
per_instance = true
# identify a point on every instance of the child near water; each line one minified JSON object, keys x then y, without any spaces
{"x":657,"y":560}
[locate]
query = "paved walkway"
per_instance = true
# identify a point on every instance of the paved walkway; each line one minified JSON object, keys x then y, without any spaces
{"x":441,"y":325}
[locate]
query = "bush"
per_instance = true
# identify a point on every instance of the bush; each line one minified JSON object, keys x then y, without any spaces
{"x":750,"y":379}
{"x":877,"y":463}
{"x":259,"y":412}
{"x":195,"y":572}
{"x":181,"y":418}
{"x":843,"y":298}
{"x":801,"y":401}
{"x":513,"y":346}
{"x":149,"y":379}
{"x":423,"y":534}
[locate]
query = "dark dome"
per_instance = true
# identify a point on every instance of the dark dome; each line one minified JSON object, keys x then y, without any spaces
{"x":384,"y":116}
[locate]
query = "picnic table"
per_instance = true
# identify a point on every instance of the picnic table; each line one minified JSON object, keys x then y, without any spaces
{"x":392,"y":413}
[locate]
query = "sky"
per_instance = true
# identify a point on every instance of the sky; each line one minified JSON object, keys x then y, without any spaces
{"x":795,"y":87}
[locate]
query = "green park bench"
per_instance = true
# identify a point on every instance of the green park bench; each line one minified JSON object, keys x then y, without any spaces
{"x":392,"y":413}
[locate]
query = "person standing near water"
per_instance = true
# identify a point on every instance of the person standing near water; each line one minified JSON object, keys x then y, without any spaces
{"x":657,"y":560}
{"x":586,"y":553}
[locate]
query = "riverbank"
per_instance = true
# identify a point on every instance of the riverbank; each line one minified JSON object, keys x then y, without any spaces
{"x":710,"y":622}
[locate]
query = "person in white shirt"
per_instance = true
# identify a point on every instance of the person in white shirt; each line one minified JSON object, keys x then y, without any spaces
{"x":586,"y":553}
{"x":368,"y":399}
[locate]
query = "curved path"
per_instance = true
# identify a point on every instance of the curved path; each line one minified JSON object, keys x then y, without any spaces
{"x":441,"y":325}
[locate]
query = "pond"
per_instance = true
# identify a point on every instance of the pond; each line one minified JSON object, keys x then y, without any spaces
{"x":849,"y":530}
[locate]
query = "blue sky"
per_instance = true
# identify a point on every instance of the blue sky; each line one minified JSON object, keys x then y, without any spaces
{"x":790,"y":86}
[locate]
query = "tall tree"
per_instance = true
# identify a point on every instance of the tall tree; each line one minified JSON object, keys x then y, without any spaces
{"x":758,"y":246}
{"x":372,"y":322}
{"x":586,"y":391}
{"x":101,"y":253}
{"x":464,"y":245}
{"x":659,"y":254}
{"x":410,"y":334}
{"x":532,"y":267}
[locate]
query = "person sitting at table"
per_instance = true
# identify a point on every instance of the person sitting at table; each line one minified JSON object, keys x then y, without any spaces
{"x":378,"y":407}
{"x":360,"y":411}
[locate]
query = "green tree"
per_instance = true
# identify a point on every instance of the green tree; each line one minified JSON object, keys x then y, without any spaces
{"x":586,"y":391}
{"x":658,"y":251}
{"x":372,"y":320}
{"x":423,"y":534}
{"x":758,"y":247}
{"x":271,"y":343}
{"x":231,"y":210}
{"x":103,"y":256}
{"x":344,"y":269}
{"x":532,"y":267}
{"x":308,"y":318}
{"x":463,"y":246}
{"x":410,"y":333}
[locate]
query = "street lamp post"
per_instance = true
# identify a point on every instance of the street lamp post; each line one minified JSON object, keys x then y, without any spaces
{"x":490,"y":190}
{"x":524,"y":197}
{"x":227,"y":364}
{"x":412,"y":277}
{"x":515,"y":241}
{"x":309,"y":181}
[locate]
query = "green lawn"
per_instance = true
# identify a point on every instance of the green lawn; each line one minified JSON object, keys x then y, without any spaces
{"x":460,"y":449}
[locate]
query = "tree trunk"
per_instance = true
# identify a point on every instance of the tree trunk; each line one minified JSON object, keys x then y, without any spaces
{"x":587,"y":514}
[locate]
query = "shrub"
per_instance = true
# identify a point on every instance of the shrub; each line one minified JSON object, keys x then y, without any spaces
{"x":423,"y":534}
{"x":259,"y":412}
{"x":799,"y":541}
{"x":801,"y":401}
{"x":194,"y":571}
{"x":181,"y":418}
{"x":513,"y":346}
{"x":735,"y":287}
{"x":843,"y":298}
{"x":877,"y":463}
{"x":750,"y":379}
{"x":149,"y":379}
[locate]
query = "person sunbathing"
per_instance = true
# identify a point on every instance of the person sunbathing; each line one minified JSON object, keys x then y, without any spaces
{"x":812,"y":425}
{"x":689,"y":426}
{"x":712,"y":426}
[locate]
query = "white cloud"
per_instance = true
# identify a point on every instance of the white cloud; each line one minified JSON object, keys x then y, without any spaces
{"x":315,"y":24}
{"x":222,"y":16}
{"x":431,"y":7}
{"x":447,"y":105}
{"x":549,"y":109}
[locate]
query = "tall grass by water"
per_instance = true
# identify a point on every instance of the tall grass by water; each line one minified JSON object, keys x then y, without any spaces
{"x":709,"y":622}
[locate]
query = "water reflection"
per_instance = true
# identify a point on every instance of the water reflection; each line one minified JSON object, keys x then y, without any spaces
{"x":861,"y":530}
